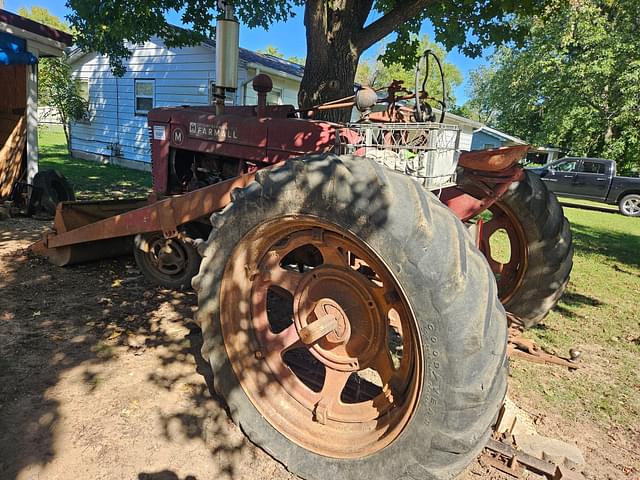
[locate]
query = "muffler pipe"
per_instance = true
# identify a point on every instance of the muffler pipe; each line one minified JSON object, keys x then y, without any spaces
{"x":227,"y":50}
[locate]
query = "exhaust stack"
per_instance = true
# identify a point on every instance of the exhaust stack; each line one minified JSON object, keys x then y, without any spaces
{"x":227,"y":48}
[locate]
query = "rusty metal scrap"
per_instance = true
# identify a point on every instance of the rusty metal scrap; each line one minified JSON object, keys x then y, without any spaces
{"x":519,"y":347}
{"x":504,"y":456}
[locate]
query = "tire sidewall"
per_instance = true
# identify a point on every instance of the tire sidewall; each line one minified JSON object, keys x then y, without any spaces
{"x":54,"y":189}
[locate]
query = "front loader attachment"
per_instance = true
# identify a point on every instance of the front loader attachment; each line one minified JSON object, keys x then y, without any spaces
{"x":85,"y":231}
{"x":75,"y":215}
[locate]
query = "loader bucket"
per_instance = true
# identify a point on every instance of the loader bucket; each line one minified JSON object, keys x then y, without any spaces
{"x":85,"y":231}
{"x":73,"y":215}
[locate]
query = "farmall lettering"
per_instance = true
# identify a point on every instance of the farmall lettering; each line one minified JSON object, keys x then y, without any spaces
{"x":218,"y":133}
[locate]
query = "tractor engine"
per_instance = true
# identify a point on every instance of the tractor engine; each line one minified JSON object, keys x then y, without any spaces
{"x":192,"y":147}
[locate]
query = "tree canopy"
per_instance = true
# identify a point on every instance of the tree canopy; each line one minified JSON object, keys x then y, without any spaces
{"x":337,"y":31}
{"x":274,"y":52}
{"x":45,"y":17}
{"x":574,"y":84}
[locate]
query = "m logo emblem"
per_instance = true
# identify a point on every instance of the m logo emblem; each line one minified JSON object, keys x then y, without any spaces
{"x":178,"y":136}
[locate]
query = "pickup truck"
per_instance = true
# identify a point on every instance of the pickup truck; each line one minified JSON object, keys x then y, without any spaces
{"x":592,"y":179}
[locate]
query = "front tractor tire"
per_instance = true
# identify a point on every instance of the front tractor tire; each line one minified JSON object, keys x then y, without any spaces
{"x":536,"y":273}
{"x":352,"y":326}
{"x":166,"y":262}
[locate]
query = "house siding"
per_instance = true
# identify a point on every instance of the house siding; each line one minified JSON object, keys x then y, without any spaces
{"x":482,"y":140}
{"x":288,"y":86}
{"x":181,"y":77}
{"x":466,"y":136}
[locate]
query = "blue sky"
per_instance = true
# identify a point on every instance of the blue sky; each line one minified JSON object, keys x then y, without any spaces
{"x":288,"y":37}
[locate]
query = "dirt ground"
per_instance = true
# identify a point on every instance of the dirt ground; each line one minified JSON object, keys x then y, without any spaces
{"x":101,"y":378}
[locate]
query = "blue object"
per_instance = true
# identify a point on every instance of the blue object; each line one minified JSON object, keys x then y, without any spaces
{"x":13,"y":51}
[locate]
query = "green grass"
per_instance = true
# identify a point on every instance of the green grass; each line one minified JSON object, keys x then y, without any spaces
{"x":600,"y":315}
{"x":572,"y":202}
{"x":91,"y":180}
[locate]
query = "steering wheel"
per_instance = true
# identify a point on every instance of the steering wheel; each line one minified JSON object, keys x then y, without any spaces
{"x":424,"y":112}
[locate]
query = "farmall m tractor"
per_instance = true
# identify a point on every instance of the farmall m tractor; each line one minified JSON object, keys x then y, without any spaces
{"x":351,"y":301}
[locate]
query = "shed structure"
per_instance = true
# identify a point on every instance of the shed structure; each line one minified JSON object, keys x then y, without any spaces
{"x":22,"y":43}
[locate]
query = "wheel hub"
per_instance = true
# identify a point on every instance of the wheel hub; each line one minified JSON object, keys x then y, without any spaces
{"x":168,"y":256}
{"x":340,"y":294}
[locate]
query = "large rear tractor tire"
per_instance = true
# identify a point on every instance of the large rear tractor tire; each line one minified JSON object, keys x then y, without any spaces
{"x":536,"y":271}
{"x":352,"y":326}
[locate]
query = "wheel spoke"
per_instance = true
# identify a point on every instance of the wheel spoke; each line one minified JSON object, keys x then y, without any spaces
{"x":286,"y":279}
{"x":333,"y":256}
{"x":384,"y":367}
{"x":334,"y":383}
{"x":285,"y":340}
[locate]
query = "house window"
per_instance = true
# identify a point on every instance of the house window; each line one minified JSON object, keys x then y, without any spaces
{"x":145,"y":94}
{"x":274,"y":97}
{"x":82,"y":87}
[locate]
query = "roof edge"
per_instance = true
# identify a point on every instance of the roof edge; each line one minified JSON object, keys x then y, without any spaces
{"x":37,"y":28}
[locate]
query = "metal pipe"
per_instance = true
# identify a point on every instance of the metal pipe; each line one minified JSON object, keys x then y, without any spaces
{"x":227,"y":51}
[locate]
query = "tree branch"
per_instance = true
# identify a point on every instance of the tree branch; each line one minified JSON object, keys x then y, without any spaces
{"x":403,"y":11}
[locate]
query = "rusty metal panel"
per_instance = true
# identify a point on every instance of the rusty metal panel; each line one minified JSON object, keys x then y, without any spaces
{"x":493,"y":160}
{"x":186,"y":208}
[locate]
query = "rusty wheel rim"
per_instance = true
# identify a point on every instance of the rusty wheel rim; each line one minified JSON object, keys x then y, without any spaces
{"x":168,"y":256}
{"x":321,"y":337}
{"x":509,"y":275}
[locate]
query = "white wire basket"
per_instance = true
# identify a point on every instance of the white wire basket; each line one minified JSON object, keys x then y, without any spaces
{"x":428,"y":152}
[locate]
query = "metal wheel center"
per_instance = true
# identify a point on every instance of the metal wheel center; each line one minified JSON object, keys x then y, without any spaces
{"x":330,"y":305}
{"x":168,"y":256}
{"x":321,"y":336}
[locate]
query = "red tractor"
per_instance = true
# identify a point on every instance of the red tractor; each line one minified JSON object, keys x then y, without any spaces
{"x":351,"y":304}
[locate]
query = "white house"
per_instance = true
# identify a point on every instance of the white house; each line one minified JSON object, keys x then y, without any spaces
{"x":157,"y":76}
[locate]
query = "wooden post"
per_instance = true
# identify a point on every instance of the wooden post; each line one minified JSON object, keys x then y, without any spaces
{"x":32,"y":116}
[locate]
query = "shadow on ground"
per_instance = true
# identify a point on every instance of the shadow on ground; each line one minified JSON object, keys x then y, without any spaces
{"x":68,"y":334}
{"x":618,"y":246}
{"x":572,"y":300}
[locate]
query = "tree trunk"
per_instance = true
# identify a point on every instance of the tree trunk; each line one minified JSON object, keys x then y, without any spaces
{"x":328,"y":80}
{"x":332,"y":55}
{"x":65,"y":129}
{"x":336,"y":37}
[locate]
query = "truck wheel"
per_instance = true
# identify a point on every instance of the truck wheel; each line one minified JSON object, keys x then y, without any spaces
{"x":352,"y":326}
{"x":630,"y":205}
{"x":534,"y":273}
{"x":166,"y":262}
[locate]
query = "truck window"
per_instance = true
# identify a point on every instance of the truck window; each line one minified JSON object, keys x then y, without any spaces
{"x":570,"y":166}
{"x":593,"y":167}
